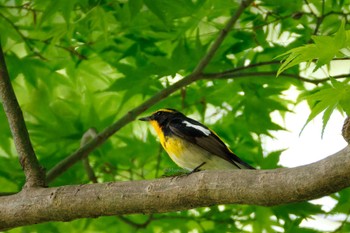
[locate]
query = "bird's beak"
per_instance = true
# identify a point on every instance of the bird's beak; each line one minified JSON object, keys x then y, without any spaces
{"x":147,"y":118}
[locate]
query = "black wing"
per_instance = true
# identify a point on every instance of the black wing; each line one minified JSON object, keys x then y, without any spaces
{"x":200,"y":135}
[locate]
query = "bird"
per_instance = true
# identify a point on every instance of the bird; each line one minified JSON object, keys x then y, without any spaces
{"x":192,"y":145}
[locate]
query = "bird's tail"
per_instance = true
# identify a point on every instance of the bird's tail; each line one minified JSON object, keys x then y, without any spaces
{"x":244,"y":165}
{"x":241,"y":164}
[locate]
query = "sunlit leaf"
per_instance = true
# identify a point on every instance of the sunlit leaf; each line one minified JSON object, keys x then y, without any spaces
{"x":327,"y":100}
{"x":324,"y":49}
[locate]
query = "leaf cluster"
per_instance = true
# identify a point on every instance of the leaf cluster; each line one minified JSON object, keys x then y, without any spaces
{"x":322,"y":51}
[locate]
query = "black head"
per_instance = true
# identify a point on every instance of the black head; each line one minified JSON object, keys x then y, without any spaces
{"x":162,"y":115}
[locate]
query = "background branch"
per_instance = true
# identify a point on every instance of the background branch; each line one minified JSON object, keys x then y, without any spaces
{"x":132,"y":114}
{"x":23,"y":37}
{"x":266,"y":188}
{"x":88,"y":135}
{"x":234,"y":74}
{"x":35,"y":175}
{"x":223,"y":33}
{"x":28,"y":42}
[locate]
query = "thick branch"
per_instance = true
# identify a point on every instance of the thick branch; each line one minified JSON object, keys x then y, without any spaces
{"x":132,"y":114}
{"x":35,"y":175}
{"x":257,"y":187}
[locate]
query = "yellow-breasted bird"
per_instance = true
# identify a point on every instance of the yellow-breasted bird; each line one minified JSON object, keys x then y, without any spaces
{"x":190,"y":144}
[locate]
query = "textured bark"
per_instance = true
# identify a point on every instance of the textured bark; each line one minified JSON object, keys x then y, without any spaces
{"x":346,"y":130}
{"x":258,"y":187}
{"x":35,"y":174}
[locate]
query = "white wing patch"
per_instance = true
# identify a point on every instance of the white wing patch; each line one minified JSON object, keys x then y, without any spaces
{"x":198,"y":127}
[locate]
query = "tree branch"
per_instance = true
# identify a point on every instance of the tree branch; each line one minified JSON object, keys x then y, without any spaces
{"x":35,"y":175}
{"x":223,"y":33}
{"x":137,"y":225}
{"x":27,"y":41}
{"x":207,"y":188}
{"x":234,"y":74}
{"x":346,"y":130}
{"x":132,"y":114}
{"x":88,"y":135}
{"x":15,"y":27}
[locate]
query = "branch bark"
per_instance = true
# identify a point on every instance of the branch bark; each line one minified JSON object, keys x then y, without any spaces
{"x":35,"y":174}
{"x":207,"y":188}
{"x":132,"y":114}
{"x":346,"y":130}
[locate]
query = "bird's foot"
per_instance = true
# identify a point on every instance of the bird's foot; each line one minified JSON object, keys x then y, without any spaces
{"x":196,"y":169}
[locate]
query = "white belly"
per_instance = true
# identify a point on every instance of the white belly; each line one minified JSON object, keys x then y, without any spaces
{"x":190,"y":156}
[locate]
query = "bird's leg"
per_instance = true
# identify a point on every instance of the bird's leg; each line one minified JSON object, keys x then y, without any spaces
{"x":197,"y":169}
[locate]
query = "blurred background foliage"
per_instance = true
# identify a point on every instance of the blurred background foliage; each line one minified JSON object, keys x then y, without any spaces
{"x":77,"y":64}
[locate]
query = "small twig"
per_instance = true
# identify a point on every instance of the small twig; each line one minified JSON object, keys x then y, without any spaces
{"x":35,"y":175}
{"x":345,"y":221}
{"x":344,"y":15}
{"x":252,"y":65}
{"x":223,"y":33}
{"x":319,"y":20}
{"x":24,"y":38}
{"x":233,"y":75}
{"x":310,"y":9}
{"x":132,"y":114}
{"x":88,"y":135}
{"x":72,"y":51}
{"x":27,"y":41}
{"x":323,"y":7}
{"x":25,"y":6}
{"x":137,"y":225}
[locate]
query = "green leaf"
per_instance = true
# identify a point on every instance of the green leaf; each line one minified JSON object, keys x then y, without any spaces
{"x":327,"y":100}
{"x":271,"y":160}
{"x":135,"y":7}
{"x":297,"y":55}
{"x":65,"y":6}
{"x":323,"y":50}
